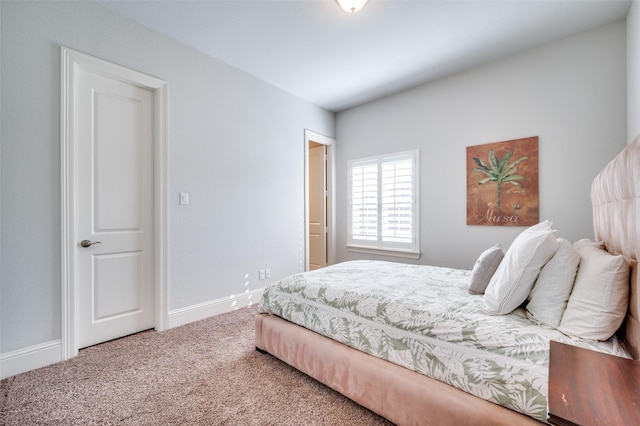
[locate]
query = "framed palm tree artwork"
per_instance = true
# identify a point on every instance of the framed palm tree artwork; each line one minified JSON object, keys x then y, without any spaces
{"x":502,"y":183}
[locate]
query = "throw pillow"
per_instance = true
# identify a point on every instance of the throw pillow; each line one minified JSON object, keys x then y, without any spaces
{"x":550,"y":293}
{"x":484,"y":269}
{"x":587,"y":242}
{"x":517,"y":272}
{"x":598,"y":302}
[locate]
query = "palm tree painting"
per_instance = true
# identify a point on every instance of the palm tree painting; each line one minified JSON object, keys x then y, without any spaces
{"x":500,"y":172}
{"x":500,"y":190}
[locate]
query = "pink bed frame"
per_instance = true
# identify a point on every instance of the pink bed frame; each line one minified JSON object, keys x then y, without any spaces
{"x":409,"y":398}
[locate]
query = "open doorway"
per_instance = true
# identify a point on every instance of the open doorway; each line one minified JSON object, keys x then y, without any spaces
{"x":319,"y":205}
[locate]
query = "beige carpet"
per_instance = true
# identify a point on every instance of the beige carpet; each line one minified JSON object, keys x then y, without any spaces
{"x":204,"y":373}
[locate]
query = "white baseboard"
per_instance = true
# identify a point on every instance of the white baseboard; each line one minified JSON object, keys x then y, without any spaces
{"x":182,"y":316}
{"x":26,"y":359}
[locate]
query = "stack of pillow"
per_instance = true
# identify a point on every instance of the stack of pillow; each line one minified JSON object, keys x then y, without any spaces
{"x":579,"y":289}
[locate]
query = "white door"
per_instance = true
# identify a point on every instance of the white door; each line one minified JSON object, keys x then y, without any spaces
{"x":114,"y":131}
{"x":317,"y":207}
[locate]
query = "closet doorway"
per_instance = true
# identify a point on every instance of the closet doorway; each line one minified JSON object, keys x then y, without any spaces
{"x":319,"y":205}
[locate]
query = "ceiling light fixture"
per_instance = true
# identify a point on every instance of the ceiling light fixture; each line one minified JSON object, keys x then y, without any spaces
{"x":352,"y":6}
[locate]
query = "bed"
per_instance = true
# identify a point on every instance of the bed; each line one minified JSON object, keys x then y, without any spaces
{"x":423,"y":344}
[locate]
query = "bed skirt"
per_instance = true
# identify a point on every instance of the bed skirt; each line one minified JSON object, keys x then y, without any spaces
{"x":402,"y":396}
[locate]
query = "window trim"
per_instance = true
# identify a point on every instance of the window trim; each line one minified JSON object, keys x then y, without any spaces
{"x":378,"y":247}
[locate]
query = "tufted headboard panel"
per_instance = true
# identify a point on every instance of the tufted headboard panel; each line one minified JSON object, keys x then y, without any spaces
{"x":615,"y":194}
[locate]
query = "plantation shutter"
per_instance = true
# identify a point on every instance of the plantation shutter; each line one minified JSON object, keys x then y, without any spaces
{"x":397,"y":199}
{"x":364,"y":199}
{"x":383,"y":202}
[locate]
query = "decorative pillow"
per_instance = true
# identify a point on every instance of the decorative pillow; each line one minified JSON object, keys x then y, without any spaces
{"x":484,"y":269}
{"x":587,"y":242}
{"x":550,"y":293}
{"x":598,"y":302}
{"x":517,"y":272}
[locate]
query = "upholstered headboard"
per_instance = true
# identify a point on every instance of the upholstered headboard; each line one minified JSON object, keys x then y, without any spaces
{"x":615,"y":194}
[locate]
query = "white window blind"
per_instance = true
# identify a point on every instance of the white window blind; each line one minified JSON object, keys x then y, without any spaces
{"x":364,"y":201}
{"x":383,"y":202}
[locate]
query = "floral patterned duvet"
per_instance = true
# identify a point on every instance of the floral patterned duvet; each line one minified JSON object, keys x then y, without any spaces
{"x":424,"y":319}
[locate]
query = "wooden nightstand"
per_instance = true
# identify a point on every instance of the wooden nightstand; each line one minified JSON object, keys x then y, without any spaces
{"x":592,"y":388}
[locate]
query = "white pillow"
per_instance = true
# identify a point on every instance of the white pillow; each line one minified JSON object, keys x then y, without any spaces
{"x":484,"y":269}
{"x":550,"y":293}
{"x":598,"y":302}
{"x":517,"y":272}
{"x":587,"y":242}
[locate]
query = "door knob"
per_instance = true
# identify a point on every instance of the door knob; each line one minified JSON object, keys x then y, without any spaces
{"x":87,"y":243}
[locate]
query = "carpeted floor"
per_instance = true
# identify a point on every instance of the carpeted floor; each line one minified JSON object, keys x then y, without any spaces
{"x":204,"y":373}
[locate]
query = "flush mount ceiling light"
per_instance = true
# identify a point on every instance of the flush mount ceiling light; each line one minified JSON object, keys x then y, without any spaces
{"x":351,"y":6}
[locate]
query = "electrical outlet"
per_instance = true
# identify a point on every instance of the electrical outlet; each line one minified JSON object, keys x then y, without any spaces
{"x":267,"y":273}
{"x":261,"y":274}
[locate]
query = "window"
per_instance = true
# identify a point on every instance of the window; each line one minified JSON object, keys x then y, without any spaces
{"x":383,"y":204}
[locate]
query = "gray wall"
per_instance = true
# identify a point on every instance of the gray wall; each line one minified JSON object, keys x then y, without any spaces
{"x":572,"y":94}
{"x":236,"y":145}
{"x":633,"y":72}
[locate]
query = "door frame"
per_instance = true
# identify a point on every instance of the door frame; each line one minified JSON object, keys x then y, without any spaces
{"x":310,"y":136}
{"x":72,"y":61}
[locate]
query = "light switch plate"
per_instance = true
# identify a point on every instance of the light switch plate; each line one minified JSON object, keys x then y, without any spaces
{"x":184,"y":198}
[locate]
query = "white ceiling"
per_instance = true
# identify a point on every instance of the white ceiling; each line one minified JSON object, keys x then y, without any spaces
{"x":318,"y":52}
